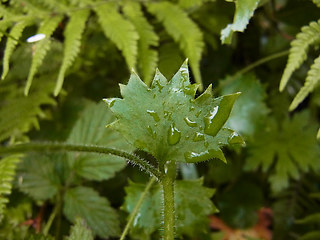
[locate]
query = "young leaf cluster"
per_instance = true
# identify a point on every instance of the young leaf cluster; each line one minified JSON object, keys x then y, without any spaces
{"x":170,"y":123}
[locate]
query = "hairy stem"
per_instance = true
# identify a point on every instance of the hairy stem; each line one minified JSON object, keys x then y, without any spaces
{"x":168,"y":200}
{"x":54,"y":147}
{"x":136,"y":208}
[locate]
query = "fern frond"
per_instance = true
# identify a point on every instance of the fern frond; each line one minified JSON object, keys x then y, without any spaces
{"x":316,"y":2}
{"x":12,"y":42}
{"x":4,"y":25}
{"x":147,"y":57}
{"x":41,"y":48}
{"x":119,"y":30}
{"x":313,"y":78}
{"x":7,"y":172}
{"x":73,"y":34}
{"x":298,"y":52}
{"x":183,"y":30}
{"x":18,"y":114}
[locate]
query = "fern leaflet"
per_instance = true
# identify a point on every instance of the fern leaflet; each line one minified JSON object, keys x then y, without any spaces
{"x":4,"y":25}
{"x":119,"y":30}
{"x":19,"y":113}
{"x":298,"y":52}
{"x":183,"y":30}
{"x":312,"y":80}
{"x":147,"y":58}
{"x":12,"y":42}
{"x":73,"y":34}
{"x":41,"y":48}
{"x":7,"y":172}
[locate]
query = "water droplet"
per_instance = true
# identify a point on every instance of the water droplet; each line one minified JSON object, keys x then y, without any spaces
{"x":152,"y":132}
{"x":136,"y":219}
{"x":192,"y":157}
{"x":211,"y":128}
{"x":174,"y":135}
{"x":235,"y":138}
{"x":191,"y":108}
{"x":157,"y":84}
{"x":191,"y":90}
{"x":167,"y":115}
{"x":198,"y":137}
{"x":110,"y":101}
{"x":198,"y":113}
{"x":154,"y":115}
{"x":189,"y":122}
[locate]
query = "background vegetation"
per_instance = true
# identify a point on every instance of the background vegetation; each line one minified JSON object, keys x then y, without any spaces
{"x":51,"y":90}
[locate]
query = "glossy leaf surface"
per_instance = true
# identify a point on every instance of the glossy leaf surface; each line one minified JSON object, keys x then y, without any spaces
{"x":167,"y":121}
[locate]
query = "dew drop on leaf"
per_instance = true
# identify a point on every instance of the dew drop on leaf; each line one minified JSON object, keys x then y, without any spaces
{"x":198,"y":137}
{"x":152,"y":132}
{"x":234,"y":138}
{"x":167,"y":115}
{"x":174,"y":135}
{"x":211,"y":128}
{"x":154,"y":115}
{"x":193,"y":157}
{"x":198,"y":113}
{"x":189,"y":122}
{"x":110,"y":101}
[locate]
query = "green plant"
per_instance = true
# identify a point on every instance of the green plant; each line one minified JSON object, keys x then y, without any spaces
{"x":184,"y":129}
{"x":75,"y":183}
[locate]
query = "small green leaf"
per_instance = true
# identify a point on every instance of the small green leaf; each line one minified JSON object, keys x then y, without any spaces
{"x":90,"y":129}
{"x":244,"y":11}
{"x":80,"y":231}
{"x":7,"y":173}
{"x":291,"y":148}
{"x":147,"y":57}
{"x":250,"y":110}
{"x":73,"y":34}
{"x":37,"y":176}
{"x":86,"y":203}
{"x":193,"y":205}
{"x":169,"y":122}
